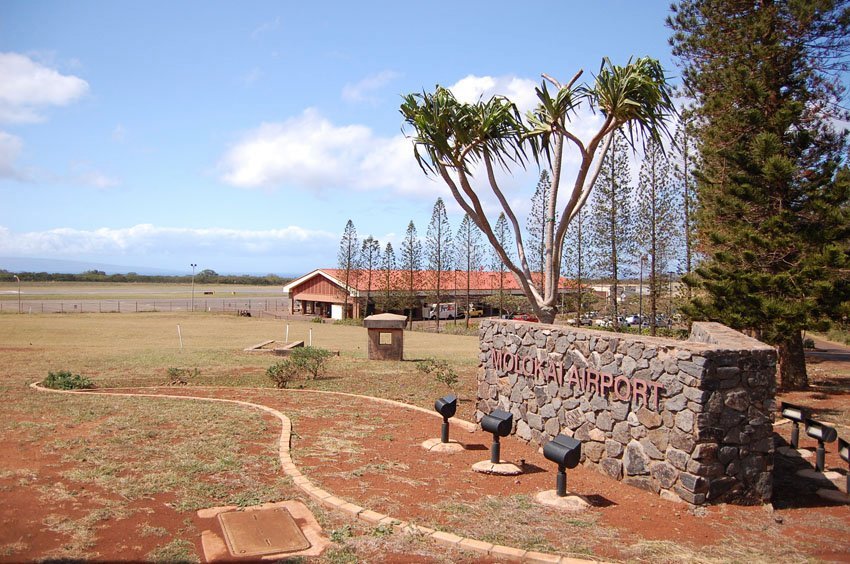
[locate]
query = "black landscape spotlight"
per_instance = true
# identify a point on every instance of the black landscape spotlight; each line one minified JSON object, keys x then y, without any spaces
{"x":844,"y":453}
{"x":797,"y":415}
{"x":499,"y":423}
{"x":824,"y":434}
{"x":447,"y":407}
{"x":566,"y":453}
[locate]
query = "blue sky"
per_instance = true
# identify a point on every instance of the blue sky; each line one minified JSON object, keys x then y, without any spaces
{"x":242,"y":136}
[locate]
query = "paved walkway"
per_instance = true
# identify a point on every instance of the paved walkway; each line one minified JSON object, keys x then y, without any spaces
{"x":333,"y":502}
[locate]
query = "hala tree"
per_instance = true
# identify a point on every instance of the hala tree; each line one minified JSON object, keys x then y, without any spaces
{"x":612,"y":223}
{"x":370,"y":259}
{"x":347,"y":259}
{"x":411,"y":263}
{"x":773,"y":219}
{"x":438,"y":248}
{"x":451,"y":138}
{"x":468,"y":253}
{"x":655,"y":221}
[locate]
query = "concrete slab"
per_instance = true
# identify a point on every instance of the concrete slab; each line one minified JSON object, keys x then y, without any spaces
{"x":569,"y":502}
{"x":436,"y":445}
{"x":500,"y":469}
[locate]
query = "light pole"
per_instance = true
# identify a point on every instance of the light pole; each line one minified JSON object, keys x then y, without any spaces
{"x":193,"y":265}
{"x":19,"y":292}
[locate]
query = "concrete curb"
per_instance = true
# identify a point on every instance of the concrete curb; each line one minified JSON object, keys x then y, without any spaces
{"x":330,"y":501}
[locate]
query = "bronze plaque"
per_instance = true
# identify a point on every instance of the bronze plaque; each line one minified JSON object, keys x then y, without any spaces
{"x":264,"y":531}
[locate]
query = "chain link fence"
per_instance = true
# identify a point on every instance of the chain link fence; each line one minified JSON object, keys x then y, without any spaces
{"x":254,"y":306}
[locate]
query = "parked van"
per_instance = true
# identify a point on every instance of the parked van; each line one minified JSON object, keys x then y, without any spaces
{"x":447,"y":311}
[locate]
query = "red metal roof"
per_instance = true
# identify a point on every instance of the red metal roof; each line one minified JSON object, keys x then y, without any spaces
{"x":426,"y":280}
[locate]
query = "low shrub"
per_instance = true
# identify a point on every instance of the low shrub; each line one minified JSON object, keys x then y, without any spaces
{"x":441,"y":370}
{"x":281,"y":373}
{"x":317,"y":319}
{"x":351,"y":322}
{"x":310,"y":359}
{"x":180,"y":376}
{"x":64,"y":380}
{"x":808,"y":343}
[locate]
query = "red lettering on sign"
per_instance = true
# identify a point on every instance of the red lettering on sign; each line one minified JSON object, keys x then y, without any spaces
{"x":592,"y":379}
{"x":656,"y":392}
{"x":623,"y":396}
{"x":639,"y":390}
{"x":605,"y":383}
{"x":573,"y":378}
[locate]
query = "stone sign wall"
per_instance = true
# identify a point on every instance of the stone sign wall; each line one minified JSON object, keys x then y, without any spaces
{"x":690,"y":420}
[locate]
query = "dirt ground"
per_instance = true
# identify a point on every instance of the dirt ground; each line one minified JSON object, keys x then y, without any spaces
{"x":369,"y":453}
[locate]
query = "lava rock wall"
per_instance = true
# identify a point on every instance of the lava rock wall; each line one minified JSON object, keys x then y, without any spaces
{"x":689,"y":420}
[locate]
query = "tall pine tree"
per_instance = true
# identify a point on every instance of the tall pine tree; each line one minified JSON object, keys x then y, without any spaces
{"x":655,"y":222}
{"x":370,"y":259}
{"x":347,"y":260}
{"x":502,"y":233}
{"x":438,"y":249}
{"x":411,"y":263}
{"x":388,"y":266}
{"x":577,"y":255}
{"x":535,"y":225}
{"x":773,"y":187}
{"x":468,"y":253}
{"x":612,"y":222}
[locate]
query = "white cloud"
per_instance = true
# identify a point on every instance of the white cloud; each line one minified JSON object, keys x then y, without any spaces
{"x":10,"y":148}
{"x":28,"y":86}
{"x":145,"y":239}
{"x":310,"y":152}
{"x":364,"y":90}
{"x":119,"y":134}
{"x":520,"y":91}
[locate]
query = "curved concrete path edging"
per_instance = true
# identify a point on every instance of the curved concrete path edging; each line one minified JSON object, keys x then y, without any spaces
{"x":333,"y":502}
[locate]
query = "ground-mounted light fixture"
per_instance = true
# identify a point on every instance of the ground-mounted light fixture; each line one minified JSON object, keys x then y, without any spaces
{"x":822,"y":434}
{"x":796,"y":414}
{"x":566,"y":453}
{"x":446,"y":406}
{"x":499,"y":423}
{"x":844,"y":454}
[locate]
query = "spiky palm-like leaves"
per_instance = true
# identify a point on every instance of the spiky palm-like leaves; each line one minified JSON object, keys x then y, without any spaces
{"x":452,"y":138}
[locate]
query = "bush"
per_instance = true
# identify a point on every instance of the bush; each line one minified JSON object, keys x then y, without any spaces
{"x":317,"y":319}
{"x":350,"y":322}
{"x":281,"y":373}
{"x":441,"y":370}
{"x":808,"y":343}
{"x":310,"y":359}
{"x":180,"y":376}
{"x":64,"y":380}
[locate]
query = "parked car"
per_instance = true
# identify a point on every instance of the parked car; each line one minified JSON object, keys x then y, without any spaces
{"x":475,"y":311}
{"x":526,"y":317}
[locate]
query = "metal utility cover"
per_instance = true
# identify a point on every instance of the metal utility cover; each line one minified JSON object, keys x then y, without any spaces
{"x":263,"y":531}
